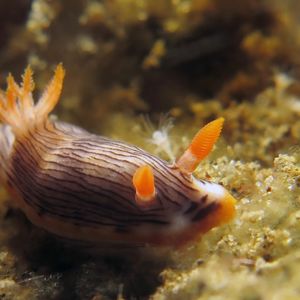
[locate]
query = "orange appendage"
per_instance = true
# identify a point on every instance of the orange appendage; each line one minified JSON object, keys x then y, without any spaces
{"x":143,"y":181}
{"x":17,"y":107}
{"x":205,"y":139}
{"x":12,"y":92}
{"x":9,"y":111}
{"x":28,"y":84}
{"x":52,"y":93}
{"x":27,"y":88}
{"x":200,"y":146}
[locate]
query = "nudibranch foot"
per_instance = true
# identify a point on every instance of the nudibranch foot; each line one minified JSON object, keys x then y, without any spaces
{"x":89,"y":188}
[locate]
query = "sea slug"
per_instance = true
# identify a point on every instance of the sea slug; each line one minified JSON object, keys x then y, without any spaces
{"x":85,"y":187}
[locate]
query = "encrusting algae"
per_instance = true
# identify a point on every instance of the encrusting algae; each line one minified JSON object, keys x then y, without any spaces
{"x":196,"y":61}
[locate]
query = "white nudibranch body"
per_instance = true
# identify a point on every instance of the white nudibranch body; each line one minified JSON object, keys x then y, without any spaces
{"x":85,"y":187}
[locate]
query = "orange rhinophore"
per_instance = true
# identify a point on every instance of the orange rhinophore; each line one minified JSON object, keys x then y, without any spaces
{"x":89,"y":188}
{"x":200,"y":146}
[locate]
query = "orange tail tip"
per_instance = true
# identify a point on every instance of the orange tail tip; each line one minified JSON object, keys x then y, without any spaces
{"x":200,"y":146}
{"x":143,"y":181}
{"x":17,"y":107}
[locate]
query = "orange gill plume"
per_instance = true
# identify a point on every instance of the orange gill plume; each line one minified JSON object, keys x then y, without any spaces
{"x":92,"y":189}
{"x":17,"y":106}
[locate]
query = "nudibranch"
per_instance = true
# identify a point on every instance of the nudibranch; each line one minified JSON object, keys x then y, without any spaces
{"x":89,"y":188}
